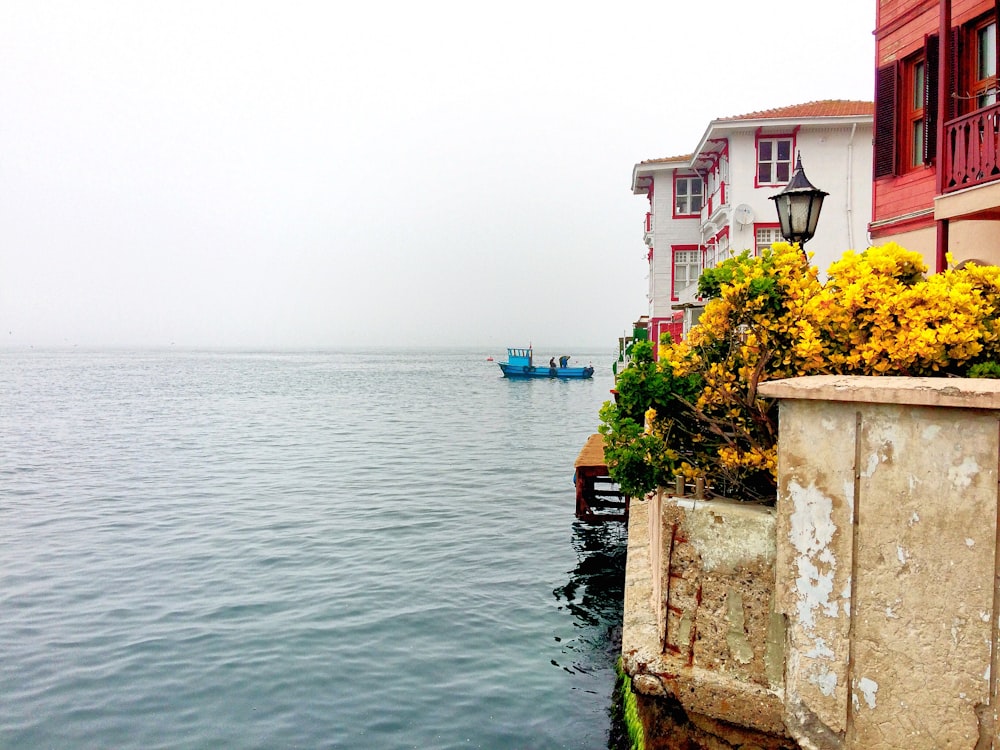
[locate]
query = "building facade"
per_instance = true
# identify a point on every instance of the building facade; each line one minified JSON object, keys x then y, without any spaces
{"x":713,"y":203}
{"x":937,"y":129}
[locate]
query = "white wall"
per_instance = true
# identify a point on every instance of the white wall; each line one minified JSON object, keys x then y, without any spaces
{"x":666,"y":233}
{"x":833,"y":161}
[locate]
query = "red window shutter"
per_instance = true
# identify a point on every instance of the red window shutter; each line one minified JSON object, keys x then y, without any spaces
{"x":885,"y":120}
{"x":930,"y":94}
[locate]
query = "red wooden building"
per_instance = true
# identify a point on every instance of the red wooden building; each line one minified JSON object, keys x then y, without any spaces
{"x":937,"y":129}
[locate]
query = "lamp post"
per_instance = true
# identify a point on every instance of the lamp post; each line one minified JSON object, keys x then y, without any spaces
{"x":798,"y":206}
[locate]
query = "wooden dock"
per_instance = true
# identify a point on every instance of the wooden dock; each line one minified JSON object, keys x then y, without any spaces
{"x":598,"y":498}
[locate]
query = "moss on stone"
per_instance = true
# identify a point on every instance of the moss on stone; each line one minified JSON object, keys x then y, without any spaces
{"x":627,"y":732}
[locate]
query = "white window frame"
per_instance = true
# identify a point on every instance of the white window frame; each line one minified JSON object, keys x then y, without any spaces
{"x":691,"y":257}
{"x":716,"y":251}
{"x":773,"y":163}
{"x":684,"y":203}
{"x":766,"y":236}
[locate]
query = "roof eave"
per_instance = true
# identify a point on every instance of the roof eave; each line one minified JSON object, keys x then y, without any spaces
{"x":648,"y":169}
{"x":728,"y":125}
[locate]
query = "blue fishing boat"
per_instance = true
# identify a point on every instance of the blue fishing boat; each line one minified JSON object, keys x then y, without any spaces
{"x":520,"y":364}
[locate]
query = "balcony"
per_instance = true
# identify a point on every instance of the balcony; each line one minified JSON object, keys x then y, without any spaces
{"x":972,"y":148}
{"x":716,"y":201}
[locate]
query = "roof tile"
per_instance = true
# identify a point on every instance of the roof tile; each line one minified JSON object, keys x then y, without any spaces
{"x":662,"y":160}
{"x":823,"y":108}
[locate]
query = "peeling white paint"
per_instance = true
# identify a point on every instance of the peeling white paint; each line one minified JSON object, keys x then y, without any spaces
{"x":914,"y":518}
{"x":902,"y":554}
{"x":848,"y":491}
{"x":820,"y":650}
{"x":868,"y":690}
{"x":811,"y":533}
{"x":812,"y":526}
{"x":872,"y":465}
{"x":970,"y":543}
{"x":890,"y":613}
{"x":961,"y":475}
{"x":814,"y":589}
{"x":986,"y":676}
{"x":826,"y":681}
{"x":984,"y":616}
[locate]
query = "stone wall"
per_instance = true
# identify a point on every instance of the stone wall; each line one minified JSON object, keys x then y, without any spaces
{"x":887,"y":560}
{"x":700,"y":628}
{"x":862,"y":612}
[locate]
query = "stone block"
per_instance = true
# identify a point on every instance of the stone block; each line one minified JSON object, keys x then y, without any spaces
{"x":720,"y":654}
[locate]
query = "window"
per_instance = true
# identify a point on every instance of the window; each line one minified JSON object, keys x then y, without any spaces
{"x":687,"y":196}
{"x":716,"y":251}
{"x":765,"y":237}
{"x":984,"y":83}
{"x":774,"y":161}
{"x":687,"y":269}
{"x":914,"y":87}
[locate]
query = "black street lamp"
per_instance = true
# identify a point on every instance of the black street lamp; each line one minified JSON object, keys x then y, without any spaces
{"x":798,"y":206}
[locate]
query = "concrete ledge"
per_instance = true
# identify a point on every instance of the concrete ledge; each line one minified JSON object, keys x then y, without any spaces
{"x":972,"y":202}
{"x":966,"y":393}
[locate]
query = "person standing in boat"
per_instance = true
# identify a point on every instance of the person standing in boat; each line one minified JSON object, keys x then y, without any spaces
{"x":552,"y":362}
{"x":563,"y":360}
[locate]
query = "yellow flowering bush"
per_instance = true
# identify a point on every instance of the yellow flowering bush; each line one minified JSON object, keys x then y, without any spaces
{"x":882,"y":316}
{"x":770,"y":317}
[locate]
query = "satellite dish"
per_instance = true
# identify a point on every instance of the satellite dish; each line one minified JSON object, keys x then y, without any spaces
{"x":743,"y":214}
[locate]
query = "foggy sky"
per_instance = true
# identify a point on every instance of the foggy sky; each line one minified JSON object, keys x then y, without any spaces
{"x":390,"y":174}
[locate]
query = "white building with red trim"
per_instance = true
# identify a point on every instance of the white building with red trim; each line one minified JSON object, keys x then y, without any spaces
{"x":713,"y":203}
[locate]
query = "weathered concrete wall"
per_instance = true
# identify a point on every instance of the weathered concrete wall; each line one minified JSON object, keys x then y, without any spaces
{"x":700,"y":628}
{"x":886,"y":563}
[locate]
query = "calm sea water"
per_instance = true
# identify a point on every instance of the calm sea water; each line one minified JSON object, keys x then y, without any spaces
{"x":301,"y":549}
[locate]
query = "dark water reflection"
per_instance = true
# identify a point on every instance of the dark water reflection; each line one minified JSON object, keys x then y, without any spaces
{"x":594,"y":594}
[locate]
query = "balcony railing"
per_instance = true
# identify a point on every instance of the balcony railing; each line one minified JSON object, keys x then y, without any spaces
{"x":715,"y":201}
{"x":972,"y":148}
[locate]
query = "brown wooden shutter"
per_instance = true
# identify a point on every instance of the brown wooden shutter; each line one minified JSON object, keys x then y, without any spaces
{"x":885,"y":120}
{"x":954,"y":75}
{"x":930,"y":93}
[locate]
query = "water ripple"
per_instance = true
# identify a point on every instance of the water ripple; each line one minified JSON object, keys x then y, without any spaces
{"x":207,"y":549}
